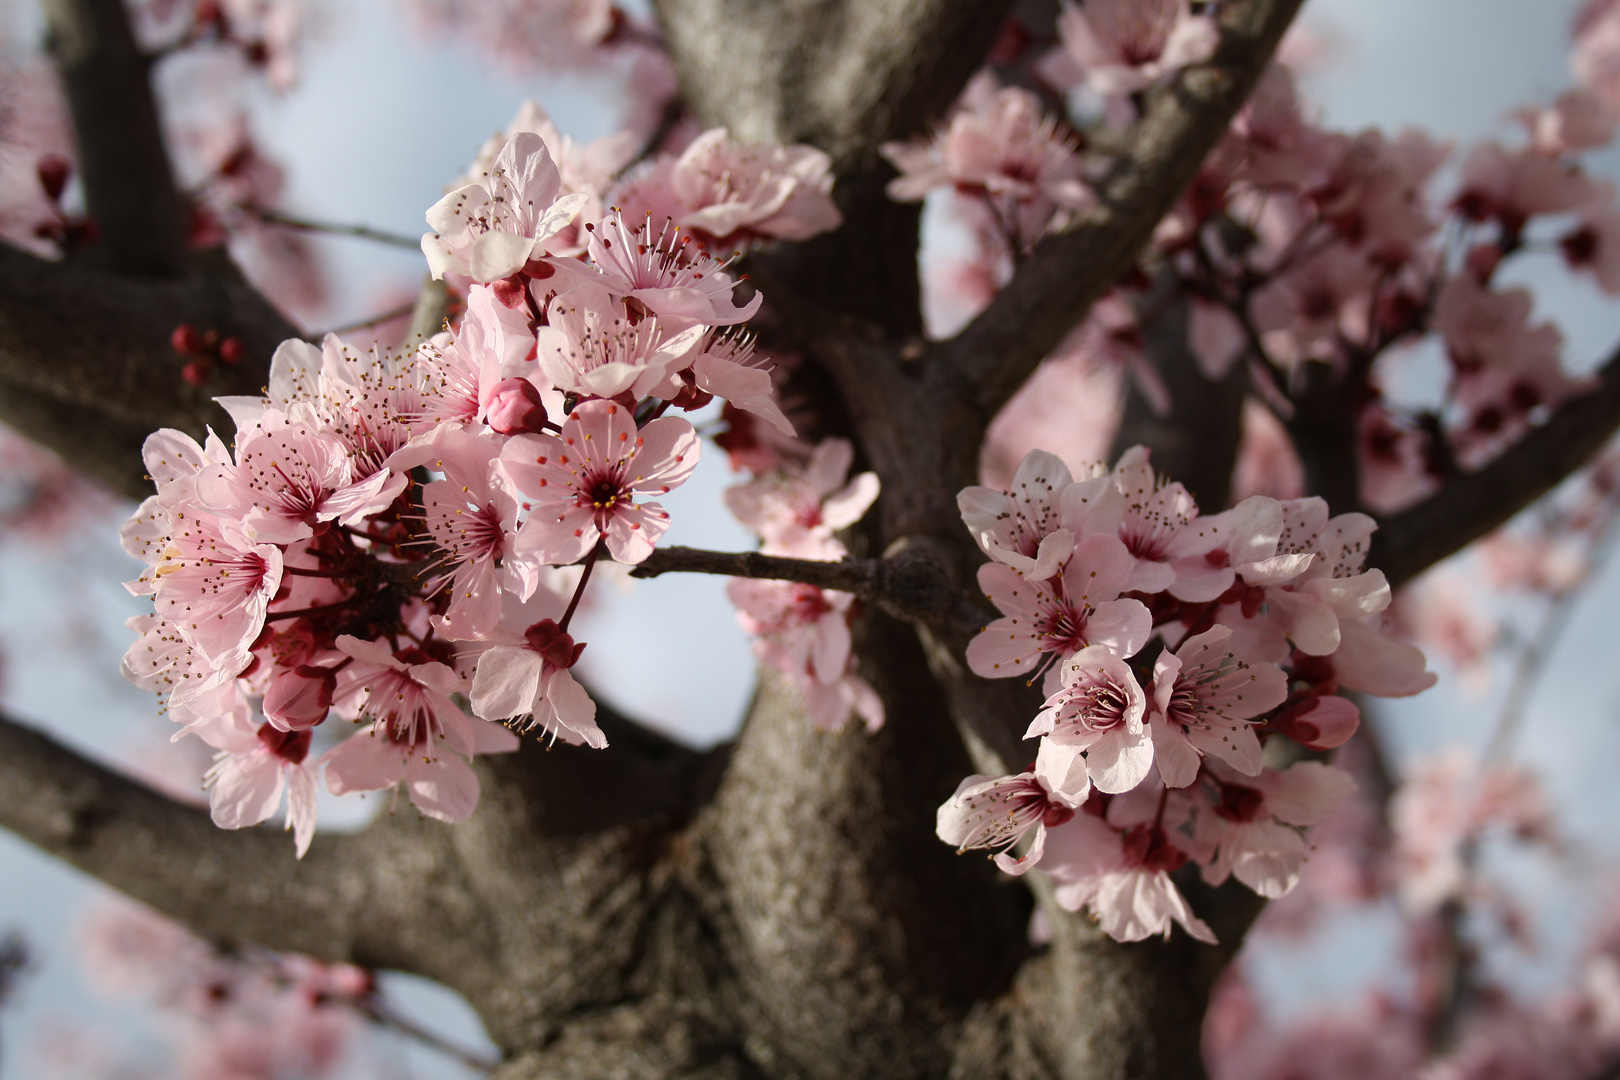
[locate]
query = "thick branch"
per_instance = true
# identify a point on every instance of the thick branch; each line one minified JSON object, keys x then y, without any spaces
{"x":237,"y":885}
{"x":1472,"y":505}
{"x":86,"y":367}
{"x":1057,"y":285}
{"x":908,"y":582}
{"x":129,"y":187}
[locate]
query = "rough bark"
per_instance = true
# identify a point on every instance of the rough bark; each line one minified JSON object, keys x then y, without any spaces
{"x":779,"y":907}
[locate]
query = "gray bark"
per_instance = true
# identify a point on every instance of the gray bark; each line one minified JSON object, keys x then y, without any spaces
{"x":778,"y":907}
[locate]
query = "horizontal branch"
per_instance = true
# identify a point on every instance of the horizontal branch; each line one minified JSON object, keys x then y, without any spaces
{"x":1472,"y":505}
{"x":910,"y":582}
{"x":86,"y":364}
{"x":360,"y":232}
{"x":241,"y":886}
{"x":1055,"y":288}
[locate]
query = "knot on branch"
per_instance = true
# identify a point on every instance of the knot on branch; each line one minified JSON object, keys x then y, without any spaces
{"x":913,"y":580}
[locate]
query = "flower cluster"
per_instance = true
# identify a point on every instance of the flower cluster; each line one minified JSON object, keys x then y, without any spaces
{"x":390,"y":539}
{"x":1171,"y":644}
{"x":803,"y":630}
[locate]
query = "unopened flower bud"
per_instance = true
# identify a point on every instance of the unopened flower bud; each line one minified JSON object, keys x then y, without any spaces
{"x":186,"y":340}
{"x":515,"y":407}
{"x":195,"y":373}
{"x":231,"y":350}
{"x":300,"y":698}
{"x":54,"y":171}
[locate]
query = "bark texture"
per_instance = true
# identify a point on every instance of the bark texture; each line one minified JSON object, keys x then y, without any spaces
{"x":778,"y":907}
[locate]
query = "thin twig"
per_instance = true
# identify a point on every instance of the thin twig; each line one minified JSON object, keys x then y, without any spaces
{"x":364,"y":232}
{"x":381,"y":1013}
{"x":859,"y":576}
{"x":376,"y":320}
{"x":1533,"y":660}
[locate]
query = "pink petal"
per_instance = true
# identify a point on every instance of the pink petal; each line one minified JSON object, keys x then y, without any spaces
{"x":444,"y":788}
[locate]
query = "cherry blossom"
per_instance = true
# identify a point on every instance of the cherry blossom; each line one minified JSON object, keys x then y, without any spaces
{"x":1201,"y":700}
{"x":997,"y":812}
{"x":1121,"y":47}
{"x":1094,"y":728}
{"x":1078,"y":608}
{"x":253,"y":770}
{"x":492,"y":227}
{"x":528,"y":683}
{"x":582,"y":484}
{"x":413,"y":731}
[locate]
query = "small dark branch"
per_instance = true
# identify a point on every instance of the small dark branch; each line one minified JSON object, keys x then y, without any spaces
{"x":1054,"y":289}
{"x":302,"y":224}
{"x":910,"y":582}
{"x":376,"y":320}
{"x":1466,"y":509}
{"x":382,"y":1013}
{"x":129,"y":186}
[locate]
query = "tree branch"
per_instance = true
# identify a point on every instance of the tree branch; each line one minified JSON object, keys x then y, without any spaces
{"x":1468,"y":507}
{"x":908,"y":582}
{"x":86,"y":367}
{"x":240,"y":885}
{"x":129,"y":187}
{"x":1056,"y":286}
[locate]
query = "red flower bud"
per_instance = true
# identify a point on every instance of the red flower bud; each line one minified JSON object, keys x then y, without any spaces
{"x":515,"y":407}
{"x":186,"y":340}
{"x":300,"y":698}
{"x":195,"y":373}
{"x":232,"y":350}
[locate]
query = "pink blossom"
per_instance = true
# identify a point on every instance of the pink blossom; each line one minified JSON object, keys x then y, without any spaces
{"x":1256,"y":827}
{"x":582,"y":485}
{"x":797,"y":510}
{"x":735,"y":193}
{"x":253,"y":769}
{"x":214,"y":584}
{"x":728,"y":368}
{"x":997,"y":812}
{"x":1122,"y":46}
{"x":1000,"y":146}
{"x":529,"y":683}
{"x":1123,"y":880}
{"x":1594,"y":246}
{"x":656,"y":267}
{"x":413,"y":731}
{"x":472,"y":517}
{"x":492,"y":227}
{"x":289,"y":477}
{"x":592,"y":347}
{"x":460,"y":374}
{"x":1578,"y":120}
{"x":299,"y":697}
{"x":1175,"y":549}
{"x":1032,"y":525}
{"x":1514,"y":186}
{"x":1094,"y":728}
{"x":1201,"y":699}
{"x":1076,"y":609}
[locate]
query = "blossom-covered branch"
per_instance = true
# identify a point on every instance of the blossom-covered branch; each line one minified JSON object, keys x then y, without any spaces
{"x":1473,"y":504}
{"x":1053,"y":290}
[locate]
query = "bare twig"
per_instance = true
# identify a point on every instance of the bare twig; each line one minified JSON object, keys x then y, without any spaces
{"x":910,"y":582}
{"x":303,"y":224}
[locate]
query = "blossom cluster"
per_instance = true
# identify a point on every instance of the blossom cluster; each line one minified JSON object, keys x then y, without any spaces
{"x":803,"y":631}
{"x":1171,"y":646}
{"x":400,"y":540}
